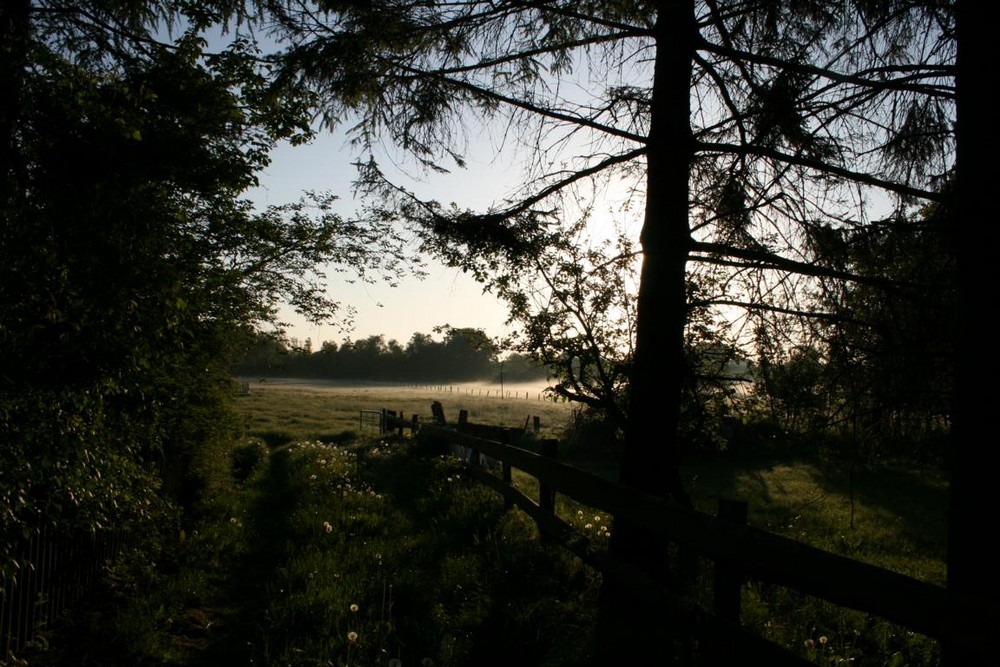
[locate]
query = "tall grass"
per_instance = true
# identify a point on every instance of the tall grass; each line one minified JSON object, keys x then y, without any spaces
{"x":380,"y":554}
{"x":887,"y":516}
{"x":332,"y":545}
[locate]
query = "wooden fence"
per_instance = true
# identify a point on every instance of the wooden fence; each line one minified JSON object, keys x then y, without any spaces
{"x":53,"y":571}
{"x":739,"y":552}
{"x":485,"y":391}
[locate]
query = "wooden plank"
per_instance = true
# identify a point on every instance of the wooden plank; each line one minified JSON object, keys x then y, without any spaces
{"x":731,"y":640}
{"x":922,"y":607}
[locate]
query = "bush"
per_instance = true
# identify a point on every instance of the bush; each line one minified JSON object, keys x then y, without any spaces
{"x":589,"y":431}
{"x":246,"y":459}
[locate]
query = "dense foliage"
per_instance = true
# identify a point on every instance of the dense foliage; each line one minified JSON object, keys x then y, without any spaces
{"x":131,"y":269}
{"x":463,"y":354}
{"x":728,"y":137}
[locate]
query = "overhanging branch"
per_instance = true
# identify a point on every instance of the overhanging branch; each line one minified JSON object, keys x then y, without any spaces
{"x":820,"y":166}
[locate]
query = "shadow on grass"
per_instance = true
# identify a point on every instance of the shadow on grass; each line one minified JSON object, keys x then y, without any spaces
{"x":245,"y":593}
{"x":274,"y":439}
{"x":886,"y":511}
{"x":917,"y":499}
{"x":341,"y":438}
{"x":506,"y":599}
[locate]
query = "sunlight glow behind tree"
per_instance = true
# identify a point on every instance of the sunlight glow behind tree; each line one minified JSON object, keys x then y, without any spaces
{"x":759,"y":128}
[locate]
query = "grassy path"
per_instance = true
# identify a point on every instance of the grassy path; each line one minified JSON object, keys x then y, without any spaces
{"x":240,"y":623}
{"x":366,"y":555}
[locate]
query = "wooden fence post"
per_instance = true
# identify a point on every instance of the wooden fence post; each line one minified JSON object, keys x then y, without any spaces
{"x":464,"y":427}
{"x":386,"y":421}
{"x":547,"y":494}
{"x":508,"y":504}
{"x":5,"y":614}
{"x":726,"y":590}
{"x":438,"y":411}
{"x":728,"y":582}
{"x":536,"y":423}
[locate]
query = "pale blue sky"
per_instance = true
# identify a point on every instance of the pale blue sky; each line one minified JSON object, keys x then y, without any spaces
{"x":445,"y":296}
{"x":497,"y":157}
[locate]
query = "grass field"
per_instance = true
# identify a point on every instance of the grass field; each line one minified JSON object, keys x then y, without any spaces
{"x":280,"y":411}
{"x":334,"y":546}
{"x":889,"y":516}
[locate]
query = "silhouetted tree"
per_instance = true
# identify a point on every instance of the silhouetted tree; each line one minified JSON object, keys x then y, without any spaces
{"x":467,"y":353}
{"x":748,"y":127}
{"x":789,"y":99}
{"x":518,"y":367}
{"x":890,"y":347}
{"x":971,"y":570}
{"x":464,"y":354}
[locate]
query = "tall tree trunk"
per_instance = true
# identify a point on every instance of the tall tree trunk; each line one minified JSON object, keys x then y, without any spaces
{"x":651,"y":461}
{"x":651,"y":458}
{"x":972,"y":566}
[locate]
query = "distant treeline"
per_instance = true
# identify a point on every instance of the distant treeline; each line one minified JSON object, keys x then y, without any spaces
{"x":464,"y":354}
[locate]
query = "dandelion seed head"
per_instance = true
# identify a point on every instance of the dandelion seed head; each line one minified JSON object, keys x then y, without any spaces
{"x":810,"y":643}
{"x":823,"y":639}
{"x":352,"y":636}
{"x":354,"y":608}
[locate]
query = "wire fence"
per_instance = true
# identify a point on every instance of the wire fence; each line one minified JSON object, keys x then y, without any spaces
{"x":50,"y":571}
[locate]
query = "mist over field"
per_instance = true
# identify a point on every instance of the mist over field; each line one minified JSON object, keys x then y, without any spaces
{"x":533,"y":390}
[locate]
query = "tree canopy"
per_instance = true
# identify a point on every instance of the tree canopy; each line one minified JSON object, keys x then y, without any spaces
{"x":463,"y":354}
{"x":748,"y":131}
{"x":132,"y":266}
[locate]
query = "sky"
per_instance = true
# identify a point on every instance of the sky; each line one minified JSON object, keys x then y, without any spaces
{"x":444,"y":296}
{"x":495,"y":156}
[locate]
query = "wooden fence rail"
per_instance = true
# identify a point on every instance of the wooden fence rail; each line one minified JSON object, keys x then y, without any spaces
{"x":739,"y":551}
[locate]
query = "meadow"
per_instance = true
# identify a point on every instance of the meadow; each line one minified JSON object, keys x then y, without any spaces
{"x":280,"y":411}
{"x":330,"y":544}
